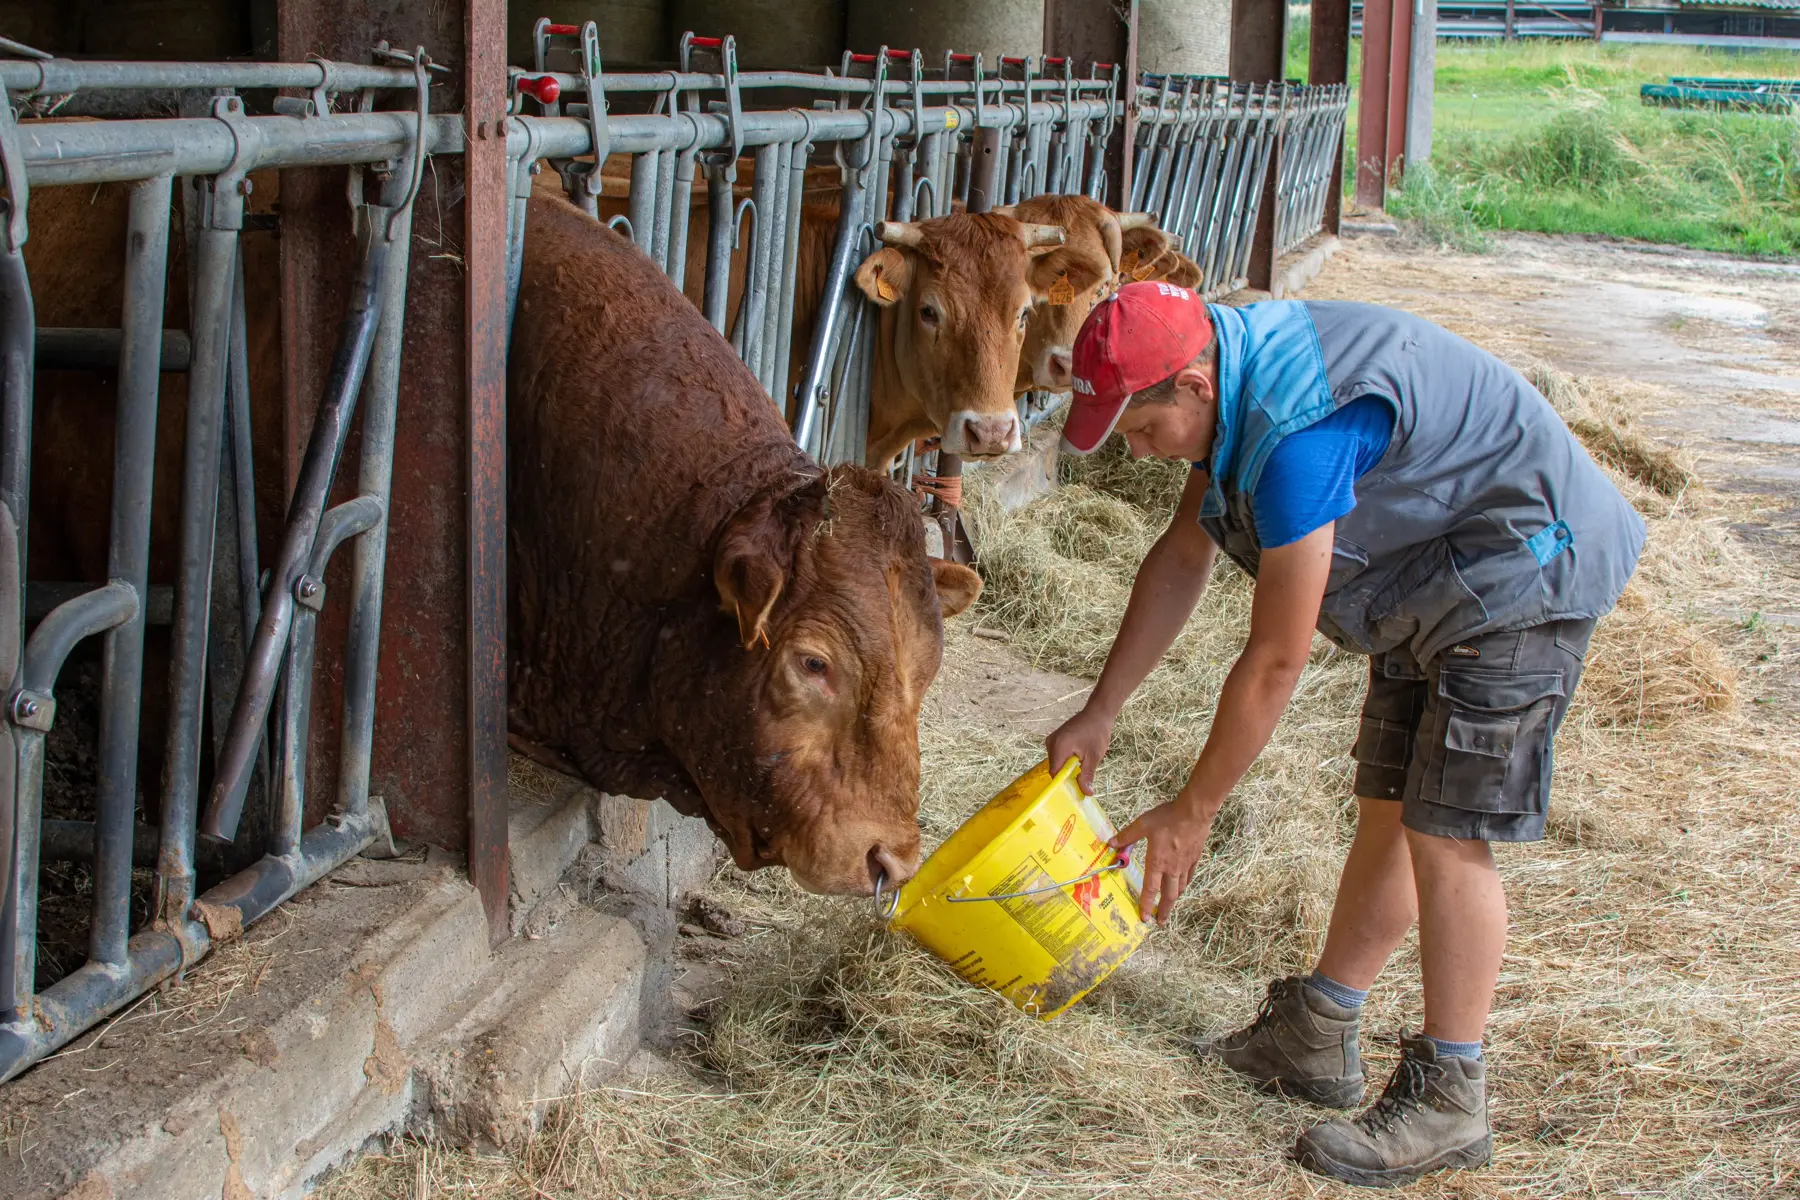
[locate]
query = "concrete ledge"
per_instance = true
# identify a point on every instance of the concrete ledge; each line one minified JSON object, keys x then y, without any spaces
{"x":1302,"y":266}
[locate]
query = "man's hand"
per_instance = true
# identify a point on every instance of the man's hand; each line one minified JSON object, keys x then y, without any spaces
{"x":1177,"y":834}
{"x":1086,"y":735}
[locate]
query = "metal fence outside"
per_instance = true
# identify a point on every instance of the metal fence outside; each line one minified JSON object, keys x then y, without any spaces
{"x":908,"y":142}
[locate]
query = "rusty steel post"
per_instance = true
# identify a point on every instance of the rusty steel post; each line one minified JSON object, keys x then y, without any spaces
{"x":1101,"y":32}
{"x":485,"y":329}
{"x":420,"y":756}
{"x":1259,"y":55}
{"x":1329,"y":62}
{"x":1381,"y":116}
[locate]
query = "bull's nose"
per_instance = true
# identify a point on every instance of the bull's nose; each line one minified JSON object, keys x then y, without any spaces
{"x":888,"y":870}
{"x":1059,"y":369}
{"x":989,"y":434}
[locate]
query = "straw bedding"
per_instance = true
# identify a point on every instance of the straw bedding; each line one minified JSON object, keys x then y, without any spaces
{"x":1646,"y":1037}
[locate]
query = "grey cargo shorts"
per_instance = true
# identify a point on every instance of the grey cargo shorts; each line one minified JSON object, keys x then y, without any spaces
{"x":1464,"y":741}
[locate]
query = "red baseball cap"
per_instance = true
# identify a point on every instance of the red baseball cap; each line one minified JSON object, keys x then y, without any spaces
{"x":1143,"y":334}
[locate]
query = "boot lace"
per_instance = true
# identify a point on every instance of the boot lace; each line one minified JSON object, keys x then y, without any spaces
{"x":1278,"y":990}
{"x":1403,"y":1095}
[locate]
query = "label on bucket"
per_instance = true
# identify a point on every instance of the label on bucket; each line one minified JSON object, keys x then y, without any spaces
{"x":1053,"y":920}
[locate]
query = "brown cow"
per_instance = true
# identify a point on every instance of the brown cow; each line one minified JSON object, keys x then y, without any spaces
{"x":701,"y":612}
{"x":943,"y":365}
{"x":1103,"y":250}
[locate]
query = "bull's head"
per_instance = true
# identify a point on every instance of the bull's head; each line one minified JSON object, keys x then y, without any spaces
{"x":1071,"y":279}
{"x":805,"y":748}
{"x":959,"y":299}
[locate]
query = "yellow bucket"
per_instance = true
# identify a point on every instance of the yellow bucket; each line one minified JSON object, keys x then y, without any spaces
{"x":1027,"y":898}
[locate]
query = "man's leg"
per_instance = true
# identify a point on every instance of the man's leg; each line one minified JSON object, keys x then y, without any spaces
{"x":1376,"y":898}
{"x":1304,"y":1039}
{"x":1462,"y":933}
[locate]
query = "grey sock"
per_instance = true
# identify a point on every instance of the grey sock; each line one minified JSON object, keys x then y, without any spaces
{"x":1336,"y":992}
{"x":1455,"y":1049}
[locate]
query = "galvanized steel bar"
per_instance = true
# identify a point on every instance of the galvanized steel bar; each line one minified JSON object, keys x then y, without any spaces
{"x":128,"y":562}
{"x":318,"y":468}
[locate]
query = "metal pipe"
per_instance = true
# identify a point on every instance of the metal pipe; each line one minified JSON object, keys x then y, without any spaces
{"x":128,"y":562}
{"x":331,"y":426}
{"x":717,"y":296}
{"x":665,"y":203}
{"x":59,"y":76}
{"x":368,"y":564}
{"x":82,"y":349}
{"x":642,"y":206}
{"x":753,"y":311}
{"x":347,"y":520}
{"x":780,"y":281}
{"x":41,"y":597}
{"x":784,"y":325}
{"x":212,"y":273}
{"x":73,"y":841}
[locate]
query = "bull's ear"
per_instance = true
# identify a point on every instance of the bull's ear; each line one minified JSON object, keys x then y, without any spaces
{"x":885,"y":275}
{"x":750,"y":570}
{"x":957,"y":585}
{"x":1142,"y":245}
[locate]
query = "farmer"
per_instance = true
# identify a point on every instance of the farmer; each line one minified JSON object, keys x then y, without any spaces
{"x":1412,"y":498}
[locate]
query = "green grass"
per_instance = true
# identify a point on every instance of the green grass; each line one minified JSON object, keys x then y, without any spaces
{"x":1551,"y":137}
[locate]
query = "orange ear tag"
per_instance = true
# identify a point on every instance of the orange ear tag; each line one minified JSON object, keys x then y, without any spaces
{"x":886,"y":290}
{"x":1062,"y":291}
{"x":1144,"y":272}
{"x":1128,"y":264}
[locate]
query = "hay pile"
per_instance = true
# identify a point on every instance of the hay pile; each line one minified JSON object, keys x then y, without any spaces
{"x":1646,"y":1038}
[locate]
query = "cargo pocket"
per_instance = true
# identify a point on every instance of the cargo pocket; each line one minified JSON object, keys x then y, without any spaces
{"x":1382,"y":743}
{"x":1496,"y":740}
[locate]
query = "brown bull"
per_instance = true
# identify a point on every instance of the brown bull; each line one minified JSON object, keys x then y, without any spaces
{"x":820,"y":780}
{"x":701,"y":612}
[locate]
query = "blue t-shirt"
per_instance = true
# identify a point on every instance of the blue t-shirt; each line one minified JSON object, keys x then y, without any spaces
{"x":1311,"y":475}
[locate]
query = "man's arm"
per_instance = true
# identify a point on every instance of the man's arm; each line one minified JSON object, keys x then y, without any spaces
{"x":1290,"y":585}
{"x":1169,"y":583}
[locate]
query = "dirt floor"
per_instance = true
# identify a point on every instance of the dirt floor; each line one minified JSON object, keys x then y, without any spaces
{"x":1645,"y":1035}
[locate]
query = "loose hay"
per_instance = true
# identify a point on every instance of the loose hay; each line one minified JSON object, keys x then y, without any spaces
{"x":1643,"y":1040}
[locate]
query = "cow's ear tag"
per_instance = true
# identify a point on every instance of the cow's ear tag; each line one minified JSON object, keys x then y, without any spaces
{"x":887,"y":291}
{"x":1144,"y":272}
{"x":1062,"y":291}
{"x":1128,"y":264}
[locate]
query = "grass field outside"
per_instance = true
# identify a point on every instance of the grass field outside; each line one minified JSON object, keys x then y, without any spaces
{"x":1551,"y":137}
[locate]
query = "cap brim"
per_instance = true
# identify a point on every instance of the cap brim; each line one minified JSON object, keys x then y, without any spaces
{"x":1089,"y":425}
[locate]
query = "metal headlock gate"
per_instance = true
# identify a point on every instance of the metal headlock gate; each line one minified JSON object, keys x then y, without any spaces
{"x":908,"y":141}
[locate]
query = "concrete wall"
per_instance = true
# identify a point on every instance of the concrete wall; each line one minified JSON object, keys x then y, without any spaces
{"x":986,"y":27}
{"x":770,"y":33}
{"x":1184,"y":36}
{"x":631,"y":31}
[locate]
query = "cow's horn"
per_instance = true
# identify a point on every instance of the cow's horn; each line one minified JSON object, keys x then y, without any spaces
{"x":1042,"y":235}
{"x":1137,"y":220}
{"x":899,"y":233}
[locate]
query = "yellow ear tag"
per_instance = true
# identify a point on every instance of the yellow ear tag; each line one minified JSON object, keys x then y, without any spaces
{"x":1128,"y":264}
{"x":1144,"y":272}
{"x":886,"y":290}
{"x":1062,"y":291}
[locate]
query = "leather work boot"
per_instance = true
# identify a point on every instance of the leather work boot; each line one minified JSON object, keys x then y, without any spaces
{"x":1431,"y":1115}
{"x":1301,"y":1044}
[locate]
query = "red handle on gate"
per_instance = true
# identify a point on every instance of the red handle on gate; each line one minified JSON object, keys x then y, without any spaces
{"x":563,"y":30}
{"x":1013,"y":60}
{"x":899,"y":53}
{"x":862,"y":58}
{"x":955,"y":57}
{"x":1058,"y":61}
{"x":544,"y":89}
{"x":706,"y":42}
{"x":1100,"y":66}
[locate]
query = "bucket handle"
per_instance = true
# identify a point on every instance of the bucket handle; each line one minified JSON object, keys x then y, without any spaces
{"x":1119,"y":865}
{"x":888,"y":906}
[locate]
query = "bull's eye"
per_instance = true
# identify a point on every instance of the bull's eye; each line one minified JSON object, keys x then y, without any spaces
{"x":814,"y":665}
{"x":929,"y":315}
{"x":1024,"y":317}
